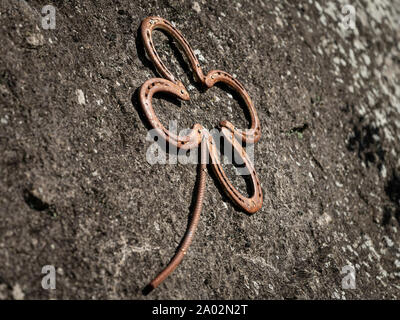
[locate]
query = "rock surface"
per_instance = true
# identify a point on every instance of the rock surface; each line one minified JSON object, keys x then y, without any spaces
{"x":77,"y":192}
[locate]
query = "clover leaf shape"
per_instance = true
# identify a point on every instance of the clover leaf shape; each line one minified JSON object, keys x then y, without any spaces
{"x":198,"y":136}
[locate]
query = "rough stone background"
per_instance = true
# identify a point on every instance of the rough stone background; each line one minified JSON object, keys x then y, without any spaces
{"x":77,"y":192}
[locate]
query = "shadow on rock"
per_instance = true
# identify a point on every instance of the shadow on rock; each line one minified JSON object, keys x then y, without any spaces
{"x":392,"y":190}
{"x":366,"y":142}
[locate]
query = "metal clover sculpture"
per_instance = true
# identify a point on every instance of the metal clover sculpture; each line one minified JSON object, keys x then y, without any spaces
{"x":198,"y":136}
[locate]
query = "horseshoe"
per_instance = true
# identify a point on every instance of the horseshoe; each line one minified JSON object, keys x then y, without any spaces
{"x":249,"y":204}
{"x":152,"y":23}
{"x":251,"y":135}
{"x":148,"y":89}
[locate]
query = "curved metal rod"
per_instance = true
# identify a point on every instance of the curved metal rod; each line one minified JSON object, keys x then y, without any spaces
{"x":182,"y":249}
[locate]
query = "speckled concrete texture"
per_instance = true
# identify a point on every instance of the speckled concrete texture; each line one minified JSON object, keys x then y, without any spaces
{"x":77,"y":192}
